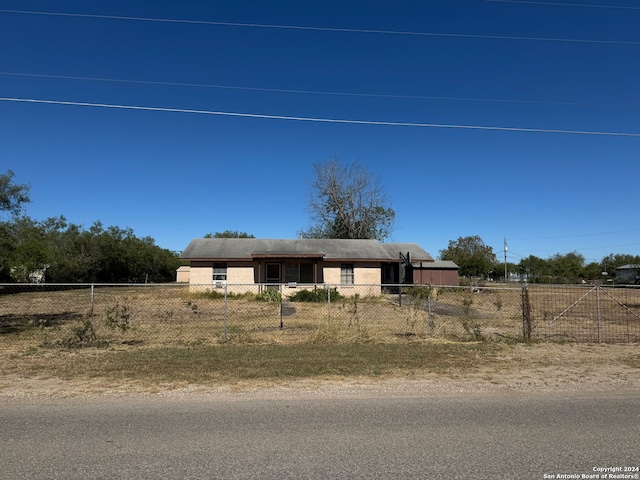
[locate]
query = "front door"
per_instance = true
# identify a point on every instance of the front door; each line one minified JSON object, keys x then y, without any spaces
{"x":273,"y":273}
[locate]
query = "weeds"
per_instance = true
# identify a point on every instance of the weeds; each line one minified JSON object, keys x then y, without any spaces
{"x":84,"y":335}
{"x":119,"y":316}
{"x":193,"y":306}
{"x":473,"y":329}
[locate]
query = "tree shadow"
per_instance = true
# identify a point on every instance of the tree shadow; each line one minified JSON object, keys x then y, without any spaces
{"x":13,"y":323}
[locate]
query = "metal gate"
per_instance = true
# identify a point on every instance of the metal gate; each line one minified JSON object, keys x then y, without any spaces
{"x":587,"y":314}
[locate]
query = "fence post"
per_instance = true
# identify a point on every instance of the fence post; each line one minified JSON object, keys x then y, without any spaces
{"x":224,"y":329}
{"x":92,"y":300}
{"x":431,"y":325}
{"x":527,"y":326}
{"x":598,"y":315}
{"x":328,"y":302}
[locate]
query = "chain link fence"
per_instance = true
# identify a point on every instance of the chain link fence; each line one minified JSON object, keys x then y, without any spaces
{"x":72,"y":315}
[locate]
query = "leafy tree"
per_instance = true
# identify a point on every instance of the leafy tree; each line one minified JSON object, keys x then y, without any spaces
{"x":74,"y":254}
{"x":12,"y":196}
{"x":497,"y":270}
{"x":613,"y":261}
{"x":567,"y":268}
{"x":474,"y":258}
{"x":537,"y":269}
{"x":69,"y":252}
{"x":593,"y":270}
{"x":346,"y":201}
{"x":229,"y":234}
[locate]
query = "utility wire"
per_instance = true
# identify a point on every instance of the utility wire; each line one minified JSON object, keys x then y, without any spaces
{"x":584,"y":5}
{"x":320,"y":92}
{"x":579,"y":249}
{"x":579,"y":235}
{"x":322,"y":29}
{"x":320,"y":120}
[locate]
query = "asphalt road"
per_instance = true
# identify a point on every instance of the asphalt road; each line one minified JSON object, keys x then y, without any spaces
{"x":194,"y":437}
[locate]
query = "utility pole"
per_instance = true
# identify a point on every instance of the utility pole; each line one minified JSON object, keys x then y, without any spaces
{"x":506,"y":279}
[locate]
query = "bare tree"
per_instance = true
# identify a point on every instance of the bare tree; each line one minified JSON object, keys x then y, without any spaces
{"x":346,"y":201}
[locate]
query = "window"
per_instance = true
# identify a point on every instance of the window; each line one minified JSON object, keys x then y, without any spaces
{"x":299,"y":272}
{"x":306,"y":273}
{"x":346,"y":274}
{"x":292,"y":272}
{"x":273,"y":273}
{"x":219,"y":272}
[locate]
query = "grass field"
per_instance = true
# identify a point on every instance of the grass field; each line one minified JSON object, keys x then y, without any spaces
{"x":163,"y":336}
{"x":170,"y":315}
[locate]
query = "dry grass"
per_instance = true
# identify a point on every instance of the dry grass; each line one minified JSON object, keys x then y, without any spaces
{"x":130,"y":369}
{"x":210,"y":365}
{"x":163,"y":337}
{"x":168,"y":315}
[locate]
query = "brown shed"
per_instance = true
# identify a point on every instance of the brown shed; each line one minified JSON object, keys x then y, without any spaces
{"x":435,"y":273}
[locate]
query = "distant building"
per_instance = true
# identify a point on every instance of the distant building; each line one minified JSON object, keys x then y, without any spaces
{"x":628,"y":274}
{"x":182,"y":274}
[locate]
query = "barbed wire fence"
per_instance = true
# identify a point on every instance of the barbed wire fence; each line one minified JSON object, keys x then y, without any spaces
{"x":74,"y":315}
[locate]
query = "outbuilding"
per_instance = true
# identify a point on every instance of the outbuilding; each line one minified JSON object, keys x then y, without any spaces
{"x":628,"y":274}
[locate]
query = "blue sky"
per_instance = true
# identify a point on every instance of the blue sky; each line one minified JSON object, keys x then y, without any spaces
{"x":176,"y":175}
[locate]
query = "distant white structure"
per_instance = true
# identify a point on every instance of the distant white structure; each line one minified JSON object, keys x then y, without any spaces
{"x":22,"y":274}
{"x":37,"y":276}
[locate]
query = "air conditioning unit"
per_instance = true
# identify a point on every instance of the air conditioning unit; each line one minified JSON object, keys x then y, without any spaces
{"x":219,"y":284}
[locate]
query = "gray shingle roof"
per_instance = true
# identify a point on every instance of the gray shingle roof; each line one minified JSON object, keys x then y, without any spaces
{"x":437,"y":265}
{"x":329,"y":249}
{"x":629,"y":266}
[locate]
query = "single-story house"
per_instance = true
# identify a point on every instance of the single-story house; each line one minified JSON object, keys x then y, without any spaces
{"x":243,"y":263}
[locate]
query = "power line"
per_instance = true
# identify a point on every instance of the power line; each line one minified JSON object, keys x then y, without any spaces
{"x":322,"y":29}
{"x":320,"y":92}
{"x":320,"y":120}
{"x":579,"y":249}
{"x":579,"y":235}
{"x":583,"y":5}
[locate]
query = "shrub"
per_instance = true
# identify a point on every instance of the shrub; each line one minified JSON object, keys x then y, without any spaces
{"x":316,"y":296}
{"x":269,"y":295}
{"x":217,"y":295}
{"x":84,"y":335}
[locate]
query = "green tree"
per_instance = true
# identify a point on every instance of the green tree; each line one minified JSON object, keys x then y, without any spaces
{"x":474,"y":258}
{"x":536,"y":269}
{"x":497,"y":270}
{"x":74,"y":254}
{"x":567,"y":268}
{"x":615,"y":260}
{"x":229,"y":234}
{"x":12,"y":199}
{"x":593,"y":270}
{"x":346,"y":201}
{"x":12,"y":196}
{"x":69,"y":252}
